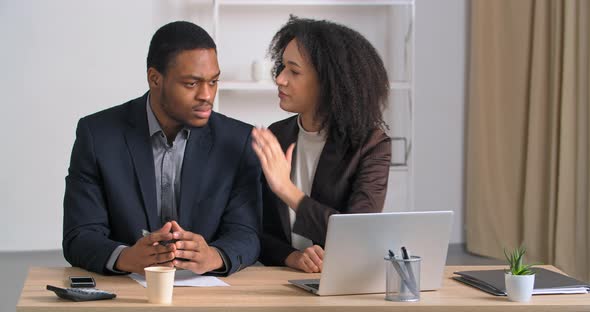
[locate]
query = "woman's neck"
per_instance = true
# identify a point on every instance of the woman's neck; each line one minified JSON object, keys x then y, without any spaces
{"x":310,"y":123}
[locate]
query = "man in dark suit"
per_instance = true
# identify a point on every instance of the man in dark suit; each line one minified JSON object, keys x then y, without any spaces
{"x":166,"y":163}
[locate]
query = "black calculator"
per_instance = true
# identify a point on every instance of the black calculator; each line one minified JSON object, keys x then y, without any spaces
{"x":81,"y":294}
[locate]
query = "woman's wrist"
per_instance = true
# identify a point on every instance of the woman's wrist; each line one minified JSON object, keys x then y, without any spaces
{"x":291,"y":195}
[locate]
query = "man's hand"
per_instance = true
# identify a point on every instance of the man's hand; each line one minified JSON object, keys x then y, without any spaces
{"x":147,"y":251}
{"x":310,"y":260}
{"x":201,"y":257}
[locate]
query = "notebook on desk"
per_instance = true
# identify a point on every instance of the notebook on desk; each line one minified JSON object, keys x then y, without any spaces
{"x":546,"y":282}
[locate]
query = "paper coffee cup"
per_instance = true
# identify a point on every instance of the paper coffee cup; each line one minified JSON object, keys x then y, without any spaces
{"x":160,"y":283}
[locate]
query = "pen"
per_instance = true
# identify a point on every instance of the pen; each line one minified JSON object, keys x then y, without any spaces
{"x":402,"y":274}
{"x":412,"y":279}
{"x":145,"y":233}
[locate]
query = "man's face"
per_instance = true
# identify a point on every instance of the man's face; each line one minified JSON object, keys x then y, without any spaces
{"x":189,"y":87}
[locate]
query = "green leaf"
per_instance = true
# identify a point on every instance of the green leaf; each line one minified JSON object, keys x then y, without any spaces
{"x":515,"y":260}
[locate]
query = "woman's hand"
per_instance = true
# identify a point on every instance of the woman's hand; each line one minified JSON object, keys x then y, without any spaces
{"x":309,"y":260}
{"x":276,"y":166}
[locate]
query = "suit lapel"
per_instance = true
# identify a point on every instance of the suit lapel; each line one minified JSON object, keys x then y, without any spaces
{"x":194,"y":164}
{"x":329,"y":161}
{"x":287,"y":136}
{"x":138,"y":142}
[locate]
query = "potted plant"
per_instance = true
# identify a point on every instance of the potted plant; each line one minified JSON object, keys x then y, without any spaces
{"x":520,"y":278}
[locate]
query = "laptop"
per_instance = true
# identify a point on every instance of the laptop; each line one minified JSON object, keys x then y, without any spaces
{"x":356,"y":245}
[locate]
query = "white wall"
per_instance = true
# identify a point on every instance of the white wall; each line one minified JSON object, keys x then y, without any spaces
{"x":441,"y":33}
{"x":64,"y":59}
{"x":60,"y":60}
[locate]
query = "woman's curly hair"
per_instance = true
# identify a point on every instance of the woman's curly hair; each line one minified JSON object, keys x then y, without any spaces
{"x":354,"y":86}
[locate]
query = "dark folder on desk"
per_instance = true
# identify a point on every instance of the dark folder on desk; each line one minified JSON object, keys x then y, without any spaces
{"x":546,"y":282}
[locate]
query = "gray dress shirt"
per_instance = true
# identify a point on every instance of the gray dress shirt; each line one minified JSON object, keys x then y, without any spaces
{"x":168,"y":164}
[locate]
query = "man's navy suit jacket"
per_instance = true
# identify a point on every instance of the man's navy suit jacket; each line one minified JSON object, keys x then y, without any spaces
{"x":111,"y":190}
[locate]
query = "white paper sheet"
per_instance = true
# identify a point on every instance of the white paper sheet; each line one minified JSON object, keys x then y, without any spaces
{"x":552,"y":291}
{"x":186,"y":278}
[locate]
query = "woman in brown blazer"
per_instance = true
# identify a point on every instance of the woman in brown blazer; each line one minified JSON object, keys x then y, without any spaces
{"x":333,"y":156}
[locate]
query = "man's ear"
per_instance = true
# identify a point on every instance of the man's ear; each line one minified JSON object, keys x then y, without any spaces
{"x":154,"y":78}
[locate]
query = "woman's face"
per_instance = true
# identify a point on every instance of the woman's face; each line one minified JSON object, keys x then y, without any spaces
{"x":298,"y":82}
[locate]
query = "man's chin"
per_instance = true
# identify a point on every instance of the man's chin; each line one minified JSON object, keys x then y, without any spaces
{"x":198,"y":123}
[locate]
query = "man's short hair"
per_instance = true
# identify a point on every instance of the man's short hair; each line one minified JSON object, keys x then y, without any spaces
{"x":173,"y":38}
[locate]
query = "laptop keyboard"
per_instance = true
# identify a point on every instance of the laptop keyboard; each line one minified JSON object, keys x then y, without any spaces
{"x":314,"y":286}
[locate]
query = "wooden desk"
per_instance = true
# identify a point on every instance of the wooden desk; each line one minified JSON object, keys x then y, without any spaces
{"x":267,"y":289}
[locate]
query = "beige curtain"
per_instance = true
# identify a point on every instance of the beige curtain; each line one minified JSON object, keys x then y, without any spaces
{"x":528,"y":138}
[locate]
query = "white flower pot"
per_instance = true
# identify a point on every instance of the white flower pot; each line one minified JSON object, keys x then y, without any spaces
{"x":519,"y":287}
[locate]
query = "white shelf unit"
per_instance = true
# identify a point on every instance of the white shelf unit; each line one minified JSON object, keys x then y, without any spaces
{"x":314,"y":2}
{"x":243,"y":30}
{"x":248,"y":85}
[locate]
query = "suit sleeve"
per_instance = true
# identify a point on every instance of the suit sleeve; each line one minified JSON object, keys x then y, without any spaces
{"x":241,"y":221}
{"x":275,"y":246}
{"x":85,"y":222}
{"x":368,"y":194}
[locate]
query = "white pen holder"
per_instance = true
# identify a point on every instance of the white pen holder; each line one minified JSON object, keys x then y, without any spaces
{"x":402,"y":279}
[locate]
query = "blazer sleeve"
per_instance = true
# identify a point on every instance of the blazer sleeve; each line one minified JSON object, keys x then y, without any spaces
{"x":85,"y":222}
{"x":274,"y":250}
{"x":369,"y":187}
{"x":241,"y":220}
{"x":275,"y":247}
